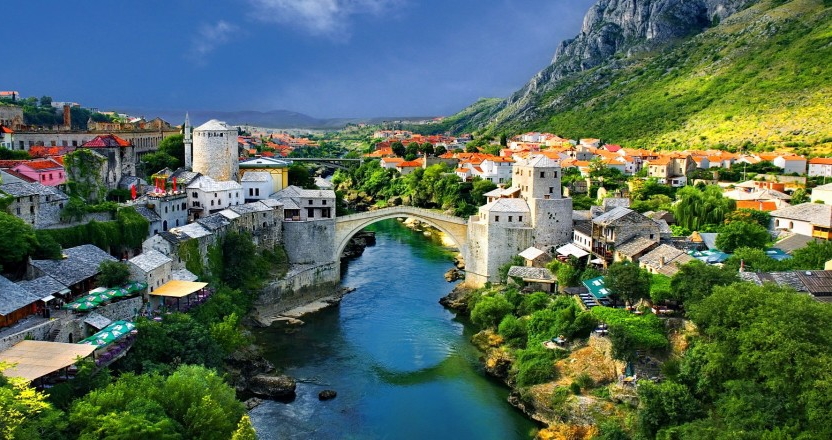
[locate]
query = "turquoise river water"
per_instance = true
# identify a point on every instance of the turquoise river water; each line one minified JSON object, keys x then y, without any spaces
{"x":402,"y":365}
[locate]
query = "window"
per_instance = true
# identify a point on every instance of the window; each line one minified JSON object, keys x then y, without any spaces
{"x":496,"y":218}
{"x":212,"y":203}
{"x":551,"y":190}
{"x":193,"y":194}
{"x":324,"y":202}
{"x":520,"y":218}
{"x":18,"y":210}
{"x":542,"y":174}
{"x":251,"y":192}
{"x":556,"y":174}
{"x":310,"y":212}
{"x":256,"y":191}
{"x":310,"y":202}
{"x":510,"y":218}
{"x":31,"y":210}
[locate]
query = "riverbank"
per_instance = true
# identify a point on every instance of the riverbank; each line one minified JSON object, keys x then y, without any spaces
{"x":576,"y":400}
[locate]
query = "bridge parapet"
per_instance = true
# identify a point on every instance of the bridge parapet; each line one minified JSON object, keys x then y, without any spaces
{"x":347,"y":226}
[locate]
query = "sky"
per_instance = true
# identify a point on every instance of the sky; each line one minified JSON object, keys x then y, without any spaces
{"x":324,"y":58}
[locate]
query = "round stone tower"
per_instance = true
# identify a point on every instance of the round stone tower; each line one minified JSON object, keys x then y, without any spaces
{"x":215,"y":151}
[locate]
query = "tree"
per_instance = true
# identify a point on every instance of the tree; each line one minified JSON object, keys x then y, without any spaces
{"x":428,"y":149}
{"x":19,"y":405}
{"x":741,"y":234}
{"x":695,"y":209}
{"x":628,"y":282}
{"x":398,"y":149}
{"x":45,"y":101}
{"x":440,"y":150}
{"x":812,"y":257}
{"x":665,"y":404}
{"x":155,"y":162}
{"x":174,"y":146}
{"x":748,"y":215}
{"x":300,"y":176}
{"x":244,"y":430}
{"x":799,"y":196}
{"x":479,"y":189}
{"x":17,"y":240}
{"x":695,"y":280}
{"x":490,"y":310}
{"x":112,"y":273}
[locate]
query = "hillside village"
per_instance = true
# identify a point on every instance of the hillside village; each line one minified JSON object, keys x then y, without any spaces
{"x":554,"y":200}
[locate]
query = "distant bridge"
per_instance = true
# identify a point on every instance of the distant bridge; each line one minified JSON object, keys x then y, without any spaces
{"x":330,"y":162}
{"x":348,"y":225}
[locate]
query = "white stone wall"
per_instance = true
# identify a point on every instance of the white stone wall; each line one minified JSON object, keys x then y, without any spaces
{"x":215,"y":154}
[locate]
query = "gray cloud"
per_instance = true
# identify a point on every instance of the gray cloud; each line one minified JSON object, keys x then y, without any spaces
{"x":209,"y":36}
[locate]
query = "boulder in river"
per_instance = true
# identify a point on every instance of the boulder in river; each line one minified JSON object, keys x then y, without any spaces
{"x":327,"y":395}
{"x":272,"y":387}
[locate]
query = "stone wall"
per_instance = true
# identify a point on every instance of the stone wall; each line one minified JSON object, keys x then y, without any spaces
{"x":122,"y":310}
{"x":310,"y":242}
{"x":38,"y":333}
{"x":301,"y":286}
{"x":552,"y":222}
{"x":489,"y":247}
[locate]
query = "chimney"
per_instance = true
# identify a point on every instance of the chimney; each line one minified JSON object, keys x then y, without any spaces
{"x":67,"y":117}
{"x":661,"y":262}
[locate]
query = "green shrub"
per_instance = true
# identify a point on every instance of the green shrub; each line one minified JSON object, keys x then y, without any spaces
{"x":513,"y":330}
{"x":490,"y":310}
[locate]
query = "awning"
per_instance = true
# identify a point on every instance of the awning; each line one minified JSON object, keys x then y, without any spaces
{"x":36,"y":359}
{"x":531,"y":253}
{"x":178,"y":289}
{"x":571,"y":249}
{"x":47,"y":298}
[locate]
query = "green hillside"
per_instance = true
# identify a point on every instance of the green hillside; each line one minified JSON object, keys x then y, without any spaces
{"x":762,"y":77}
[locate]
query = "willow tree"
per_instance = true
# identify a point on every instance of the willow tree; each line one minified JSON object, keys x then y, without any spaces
{"x":696,"y":208}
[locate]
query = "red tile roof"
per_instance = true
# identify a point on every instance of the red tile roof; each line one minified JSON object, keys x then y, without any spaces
{"x":10,"y":163}
{"x":42,"y":164}
{"x":5,"y":129}
{"x":766,"y":205}
{"x":821,"y":161}
{"x":107,"y":140}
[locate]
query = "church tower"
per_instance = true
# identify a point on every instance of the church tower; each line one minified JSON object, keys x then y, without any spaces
{"x":189,"y":145}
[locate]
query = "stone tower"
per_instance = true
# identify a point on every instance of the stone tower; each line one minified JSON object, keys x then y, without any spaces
{"x":215,"y":151}
{"x":501,"y":230}
{"x":539,"y":180}
{"x":189,"y":144}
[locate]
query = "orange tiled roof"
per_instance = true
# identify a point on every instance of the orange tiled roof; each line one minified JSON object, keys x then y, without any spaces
{"x":821,"y":161}
{"x":5,"y":129}
{"x":660,"y":161}
{"x":764,"y":205}
{"x":410,"y":164}
{"x":10,"y":163}
{"x":42,"y":164}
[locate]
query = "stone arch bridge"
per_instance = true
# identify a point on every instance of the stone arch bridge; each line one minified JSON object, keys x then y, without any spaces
{"x":455,"y":227}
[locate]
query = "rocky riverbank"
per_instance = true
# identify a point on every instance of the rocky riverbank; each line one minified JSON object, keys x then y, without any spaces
{"x":575,"y":414}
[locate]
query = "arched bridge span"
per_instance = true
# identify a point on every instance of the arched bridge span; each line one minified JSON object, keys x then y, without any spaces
{"x":455,"y":227}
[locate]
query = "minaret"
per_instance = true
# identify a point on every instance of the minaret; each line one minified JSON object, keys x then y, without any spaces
{"x":189,"y":145}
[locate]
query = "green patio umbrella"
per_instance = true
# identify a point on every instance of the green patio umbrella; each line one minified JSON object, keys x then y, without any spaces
{"x":82,"y":305}
{"x":117,"y":292}
{"x":135,"y":286}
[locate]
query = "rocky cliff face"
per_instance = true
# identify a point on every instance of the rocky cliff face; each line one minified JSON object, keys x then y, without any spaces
{"x":614,"y":31}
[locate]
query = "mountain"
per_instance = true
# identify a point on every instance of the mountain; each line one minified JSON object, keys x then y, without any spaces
{"x":272,"y":119}
{"x":670,"y":73}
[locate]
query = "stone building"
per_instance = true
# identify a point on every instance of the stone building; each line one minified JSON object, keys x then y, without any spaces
{"x":306,"y":204}
{"x":616,"y":228}
{"x":151,"y":267}
{"x":77,"y":270}
{"x":11,"y":116}
{"x":539,"y":180}
{"x":215,"y":152}
{"x":171,"y":207}
{"x":257,"y":185}
{"x":36,"y":204}
{"x":208,"y":196}
{"x":501,"y":230}
{"x":121,"y":157}
{"x":263,"y":221}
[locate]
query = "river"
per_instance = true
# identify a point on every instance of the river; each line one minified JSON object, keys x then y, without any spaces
{"x":401,"y":363}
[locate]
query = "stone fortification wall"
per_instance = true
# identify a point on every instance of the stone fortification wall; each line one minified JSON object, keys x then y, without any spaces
{"x":123,"y":310}
{"x":310,"y":242}
{"x":301,"y":286}
{"x":489,"y":247}
{"x":552,"y":222}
